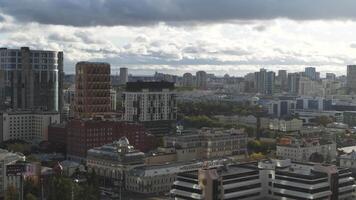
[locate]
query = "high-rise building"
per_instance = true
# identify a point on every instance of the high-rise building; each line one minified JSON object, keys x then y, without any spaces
{"x":31,"y":79}
{"x":201,"y":80}
{"x":124,"y":78}
{"x":293,"y":83}
{"x":330,"y":76}
{"x":311,"y":73}
{"x":283,"y":79}
{"x":351,"y":77}
{"x":265,"y":81}
{"x":152,"y":103}
{"x":92,"y":89}
{"x":187,"y":80}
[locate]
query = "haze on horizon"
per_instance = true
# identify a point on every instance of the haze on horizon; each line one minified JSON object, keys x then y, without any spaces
{"x":177,"y":36}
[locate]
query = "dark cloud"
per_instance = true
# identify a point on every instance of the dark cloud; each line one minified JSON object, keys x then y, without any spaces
{"x":146,"y":12}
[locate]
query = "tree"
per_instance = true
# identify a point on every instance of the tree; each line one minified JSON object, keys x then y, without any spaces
{"x":257,"y":156}
{"x":323,"y":120}
{"x":254,"y":146}
{"x":11,"y":193}
{"x":30,"y":196}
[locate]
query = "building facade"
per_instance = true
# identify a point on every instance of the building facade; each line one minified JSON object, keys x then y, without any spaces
{"x":272,"y":179}
{"x":111,"y":161}
{"x":265,"y":82}
{"x":26,"y":125}
{"x":86,"y":134}
{"x":303,"y":149}
{"x":92,"y":89}
{"x":187,"y":80}
{"x":124,"y":75}
{"x":151,"y":103}
{"x":351,"y":78}
{"x":208,"y":143}
{"x":201,"y":80}
{"x":31,"y":79}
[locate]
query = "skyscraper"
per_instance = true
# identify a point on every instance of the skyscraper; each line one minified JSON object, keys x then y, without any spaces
{"x":201,"y":80}
{"x":264,"y":81}
{"x":92,"y":89}
{"x":293,"y":83}
{"x":311,"y":73}
{"x":283,"y":79}
{"x":187,"y":80}
{"x":31,"y":79}
{"x":123,"y":75}
{"x":351,"y":77}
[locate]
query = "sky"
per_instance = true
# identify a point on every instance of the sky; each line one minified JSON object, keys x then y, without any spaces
{"x":178,"y":36}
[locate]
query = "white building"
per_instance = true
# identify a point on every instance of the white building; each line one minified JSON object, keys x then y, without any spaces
{"x":113,"y":99}
{"x":149,"y":101}
{"x":348,"y":160}
{"x":8,"y":158}
{"x":28,"y":126}
{"x":270,"y":179}
{"x":285,"y":125}
{"x":301,"y":150}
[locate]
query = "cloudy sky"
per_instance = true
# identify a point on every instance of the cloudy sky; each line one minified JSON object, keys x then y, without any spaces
{"x":177,"y":36}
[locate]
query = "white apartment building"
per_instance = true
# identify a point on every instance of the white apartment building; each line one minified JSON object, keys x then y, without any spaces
{"x":285,"y":125}
{"x":26,"y":125}
{"x":8,"y":158}
{"x":270,"y":179}
{"x":300,"y":150}
{"x":149,"y":101}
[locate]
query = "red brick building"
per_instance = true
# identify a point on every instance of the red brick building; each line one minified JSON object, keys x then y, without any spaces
{"x":57,"y":136}
{"x":86,"y":134}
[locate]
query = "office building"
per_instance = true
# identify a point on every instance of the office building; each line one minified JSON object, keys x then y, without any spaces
{"x":331,"y":76}
{"x":283,"y":80}
{"x":113,"y":99}
{"x":351,"y":78}
{"x":270,"y":179}
{"x":151,"y":103}
{"x":265,"y":82}
{"x":293,"y":83}
{"x":124,"y":77}
{"x":92,"y":89}
{"x":201,"y":80}
{"x":311,"y":73}
{"x":30,"y":126}
{"x":187,"y":80}
{"x":303,"y":149}
{"x":86,"y":134}
{"x":281,"y":108}
{"x":285,"y":125}
{"x":31,"y":79}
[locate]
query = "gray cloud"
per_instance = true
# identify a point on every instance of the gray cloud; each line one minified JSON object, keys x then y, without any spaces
{"x":146,"y":12}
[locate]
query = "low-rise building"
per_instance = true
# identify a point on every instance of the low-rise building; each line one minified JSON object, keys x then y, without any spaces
{"x":303,"y":149}
{"x":26,"y":125}
{"x":110,"y":161}
{"x":285,"y":125}
{"x":8,"y":158}
{"x":208,"y":143}
{"x":270,"y":179}
{"x":86,"y":134}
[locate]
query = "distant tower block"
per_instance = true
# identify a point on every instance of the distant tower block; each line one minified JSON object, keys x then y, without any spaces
{"x":123,"y":75}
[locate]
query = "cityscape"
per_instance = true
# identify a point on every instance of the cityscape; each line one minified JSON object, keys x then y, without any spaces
{"x":80,"y":124}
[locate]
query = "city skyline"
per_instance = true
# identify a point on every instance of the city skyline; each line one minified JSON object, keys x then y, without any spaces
{"x":182,"y":36}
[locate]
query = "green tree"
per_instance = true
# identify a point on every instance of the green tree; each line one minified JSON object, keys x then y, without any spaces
{"x":11,"y":193}
{"x":30,"y":196}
